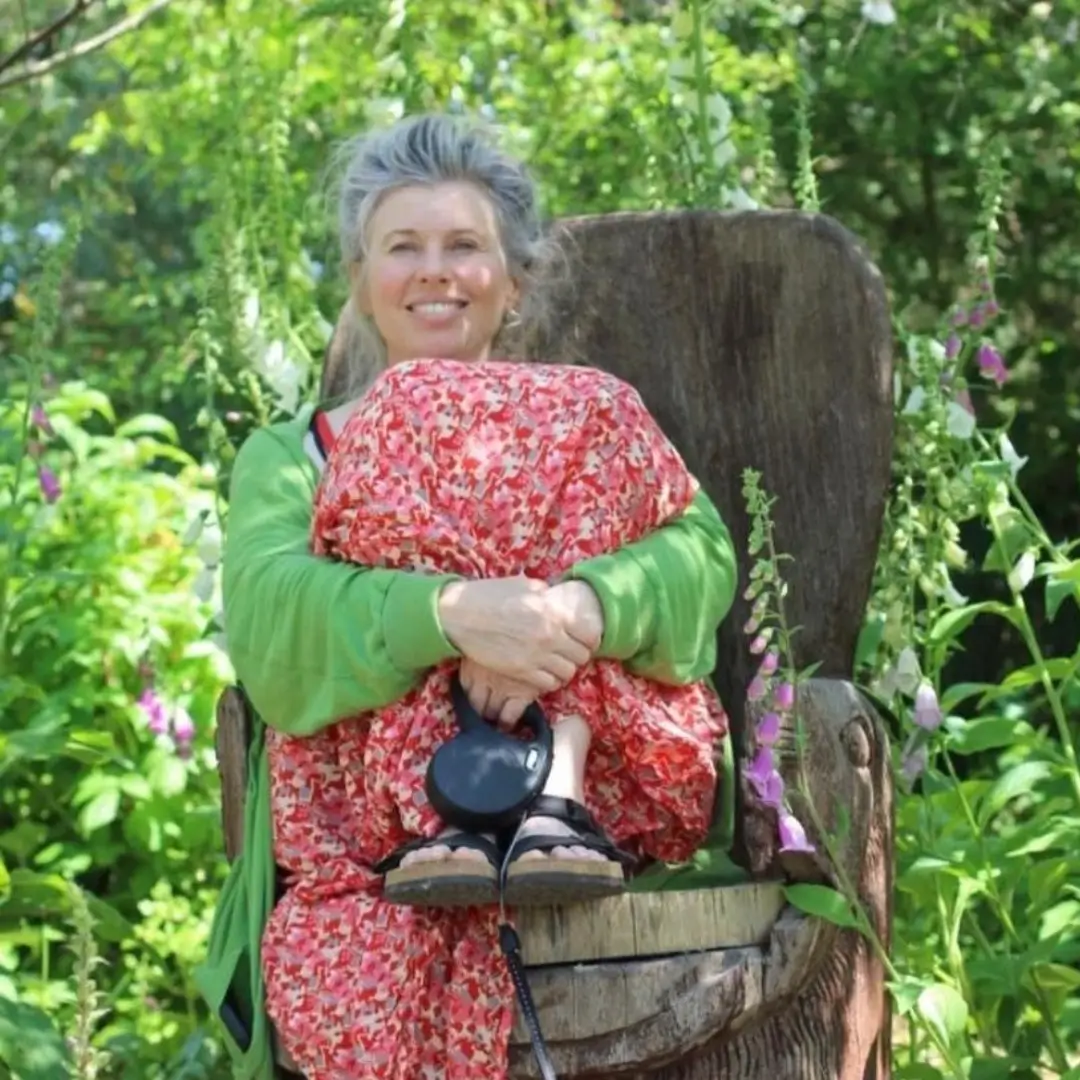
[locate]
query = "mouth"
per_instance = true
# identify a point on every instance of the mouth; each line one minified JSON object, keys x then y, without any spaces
{"x":436,"y":307}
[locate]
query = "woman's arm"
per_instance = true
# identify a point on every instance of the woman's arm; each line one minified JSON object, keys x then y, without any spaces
{"x":664,"y":596}
{"x":312,"y":640}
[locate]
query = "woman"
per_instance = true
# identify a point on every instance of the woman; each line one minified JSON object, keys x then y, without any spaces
{"x":423,"y":997}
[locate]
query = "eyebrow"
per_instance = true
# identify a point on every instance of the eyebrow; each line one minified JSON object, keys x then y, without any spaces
{"x":413,"y":232}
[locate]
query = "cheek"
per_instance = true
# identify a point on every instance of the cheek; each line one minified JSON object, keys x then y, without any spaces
{"x":486,"y":281}
{"x":386,"y":286}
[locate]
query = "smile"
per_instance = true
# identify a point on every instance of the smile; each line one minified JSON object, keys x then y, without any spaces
{"x":439,"y":307}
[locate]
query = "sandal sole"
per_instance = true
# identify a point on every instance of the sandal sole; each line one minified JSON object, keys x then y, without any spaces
{"x":562,"y":883}
{"x":430,"y":885}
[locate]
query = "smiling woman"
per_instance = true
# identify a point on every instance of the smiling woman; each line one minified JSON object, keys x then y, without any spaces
{"x":512,"y":509}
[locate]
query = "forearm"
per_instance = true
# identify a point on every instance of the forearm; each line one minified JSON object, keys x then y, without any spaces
{"x":664,"y":596}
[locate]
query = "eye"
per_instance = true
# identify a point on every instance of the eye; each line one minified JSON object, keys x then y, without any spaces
{"x":402,"y":245}
{"x":465,"y":243}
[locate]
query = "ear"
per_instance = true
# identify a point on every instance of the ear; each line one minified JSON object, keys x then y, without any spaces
{"x":513,"y":295}
{"x":358,"y":288}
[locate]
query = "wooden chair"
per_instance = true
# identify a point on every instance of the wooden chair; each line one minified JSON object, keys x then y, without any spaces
{"x":757,"y":340}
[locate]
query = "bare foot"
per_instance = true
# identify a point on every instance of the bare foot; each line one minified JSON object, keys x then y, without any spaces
{"x":546,"y":826}
{"x":441,"y":853}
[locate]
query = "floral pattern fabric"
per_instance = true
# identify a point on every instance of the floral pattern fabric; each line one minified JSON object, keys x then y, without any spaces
{"x":485,"y":470}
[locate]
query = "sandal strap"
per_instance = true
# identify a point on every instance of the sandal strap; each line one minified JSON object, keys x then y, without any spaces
{"x":588,"y":833}
{"x":472,"y":841}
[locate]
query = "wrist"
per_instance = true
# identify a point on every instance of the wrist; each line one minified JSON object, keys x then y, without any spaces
{"x":448,"y":610}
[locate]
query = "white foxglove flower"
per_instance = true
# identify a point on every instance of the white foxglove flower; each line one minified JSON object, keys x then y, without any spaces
{"x":739,"y":199}
{"x":251,"y":311}
{"x":908,"y":675}
{"x":959,"y":423}
{"x":916,"y":400}
{"x":1022,"y":572}
{"x":1010,"y":456}
{"x":205,"y":582}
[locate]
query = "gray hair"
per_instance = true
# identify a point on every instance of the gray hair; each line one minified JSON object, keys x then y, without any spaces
{"x":433,"y":149}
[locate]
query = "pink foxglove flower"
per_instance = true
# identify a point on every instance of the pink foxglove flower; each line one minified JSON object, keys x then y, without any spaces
{"x":769,"y":663}
{"x":183,"y":726}
{"x":157,"y":720}
{"x":927,"y":709}
{"x":39,"y":418}
{"x":757,"y":689}
{"x":768,"y":729}
{"x":991,"y":365}
{"x":766,"y":781}
{"x":50,"y":485}
{"x":913,"y":764}
{"x":784,"y":697}
{"x":793,"y":835}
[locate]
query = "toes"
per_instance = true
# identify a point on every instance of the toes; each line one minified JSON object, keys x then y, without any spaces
{"x":427,"y":854}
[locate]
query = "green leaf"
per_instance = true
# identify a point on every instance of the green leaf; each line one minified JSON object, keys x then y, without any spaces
{"x":5,"y":881}
{"x":822,"y":902}
{"x":1058,"y":668}
{"x":1059,"y":918}
{"x":1057,"y":592}
{"x":991,"y":733}
{"x":1019,"y":780}
{"x":945,"y":1011}
{"x":958,"y":692}
{"x":30,"y":1046}
{"x":955,"y":622}
{"x":167,"y":774}
{"x":100,"y":811}
{"x":1054,"y":977}
{"x":148,"y":424}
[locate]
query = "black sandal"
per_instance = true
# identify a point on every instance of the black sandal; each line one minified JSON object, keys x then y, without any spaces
{"x":563,"y":881}
{"x":443,"y":883}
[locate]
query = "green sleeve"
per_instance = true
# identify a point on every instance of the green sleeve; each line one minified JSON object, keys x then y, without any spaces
{"x":665,"y":595}
{"x":314,"y":640}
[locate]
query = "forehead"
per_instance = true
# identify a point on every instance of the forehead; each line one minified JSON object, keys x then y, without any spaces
{"x":447,"y":207}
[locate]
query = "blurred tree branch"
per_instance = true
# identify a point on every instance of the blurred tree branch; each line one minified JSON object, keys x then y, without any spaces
{"x":33,"y":69}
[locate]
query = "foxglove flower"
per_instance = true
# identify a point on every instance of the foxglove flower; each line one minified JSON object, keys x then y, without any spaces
{"x":991,"y":365}
{"x":157,"y":719}
{"x":784,"y":697}
{"x":927,"y":709}
{"x":793,"y":835}
{"x":50,"y":485}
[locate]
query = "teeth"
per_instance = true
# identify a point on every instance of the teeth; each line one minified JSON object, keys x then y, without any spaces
{"x":435,"y":309}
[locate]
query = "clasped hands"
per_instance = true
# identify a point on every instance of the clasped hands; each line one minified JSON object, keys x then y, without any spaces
{"x":519,"y":638}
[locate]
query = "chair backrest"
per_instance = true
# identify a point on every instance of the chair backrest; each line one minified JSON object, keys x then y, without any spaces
{"x":757,"y":340}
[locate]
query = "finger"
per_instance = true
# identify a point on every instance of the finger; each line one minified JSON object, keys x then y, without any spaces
{"x":465,"y":677}
{"x":562,"y":669}
{"x":576,"y":652}
{"x":541,"y":682}
{"x":494,"y":707}
{"x":479,"y":698}
{"x":512,"y":712}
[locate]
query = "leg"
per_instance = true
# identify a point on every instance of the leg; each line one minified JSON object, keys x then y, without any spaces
{"x":585,"y":865}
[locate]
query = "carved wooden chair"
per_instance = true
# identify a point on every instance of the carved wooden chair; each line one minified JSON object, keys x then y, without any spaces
{"x":757,"y":340}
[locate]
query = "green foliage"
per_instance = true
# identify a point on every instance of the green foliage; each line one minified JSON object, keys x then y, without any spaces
{"x":194,"y":298}
{"x":98,"y":611}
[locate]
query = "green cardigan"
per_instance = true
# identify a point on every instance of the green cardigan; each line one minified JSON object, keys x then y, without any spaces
{"x":313,"y":641}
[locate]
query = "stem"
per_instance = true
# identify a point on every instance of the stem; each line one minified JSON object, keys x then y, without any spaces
{"x":701,"y":111}
{"x":1027,"y":632}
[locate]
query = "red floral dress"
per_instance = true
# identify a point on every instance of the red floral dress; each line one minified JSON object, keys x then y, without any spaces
{"x":485,"y":470}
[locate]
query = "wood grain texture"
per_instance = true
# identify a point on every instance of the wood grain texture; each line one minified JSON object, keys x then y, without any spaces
{"x":650,"y":924}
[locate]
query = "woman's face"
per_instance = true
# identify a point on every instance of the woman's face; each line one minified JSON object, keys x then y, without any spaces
{"x":435,"y":280}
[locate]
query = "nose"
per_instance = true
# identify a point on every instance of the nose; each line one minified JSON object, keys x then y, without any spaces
{"x":433,"y":267}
